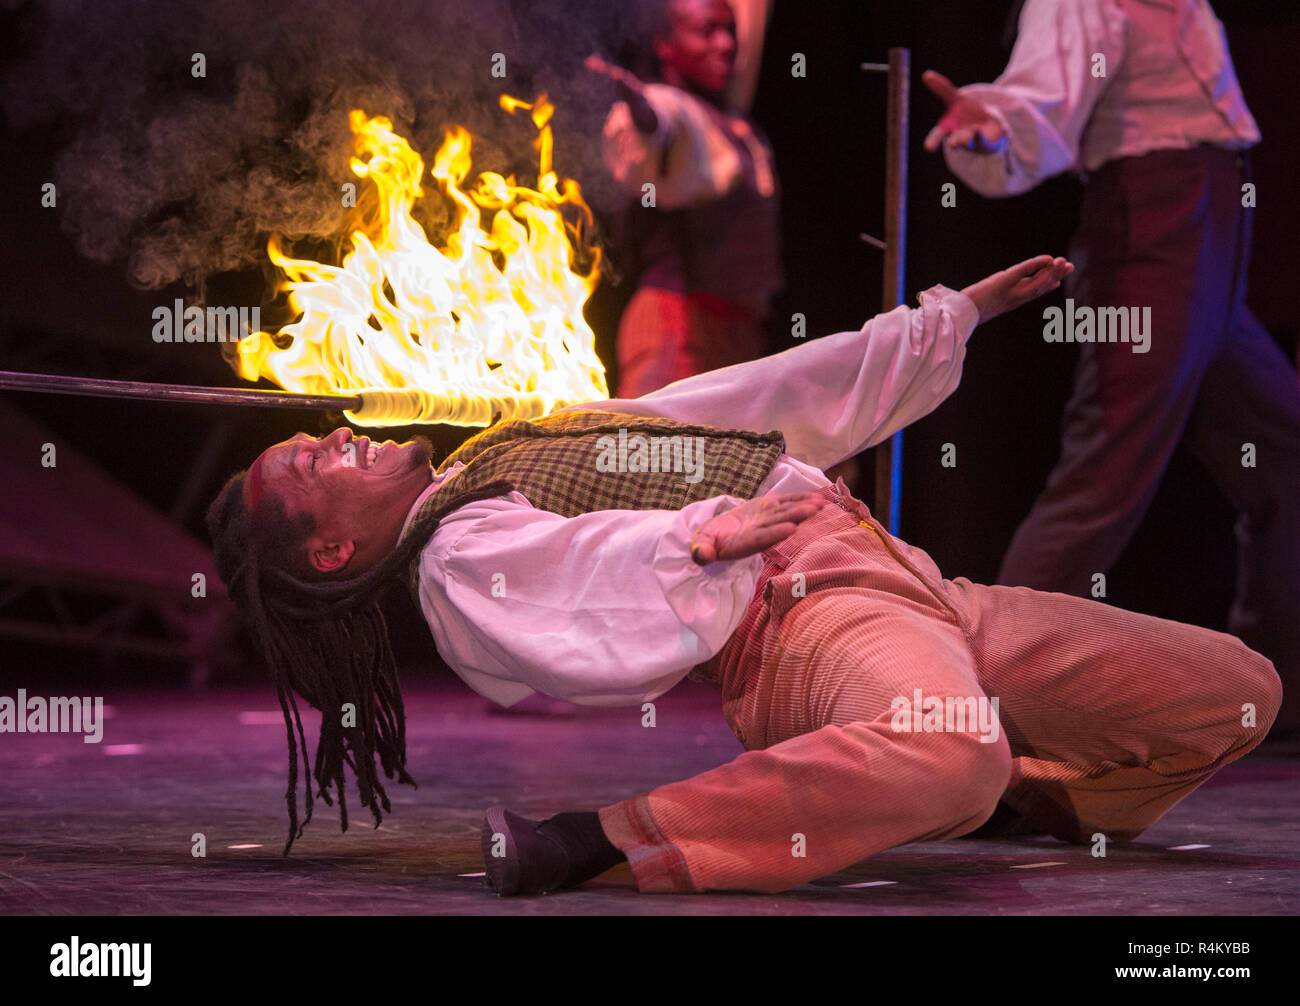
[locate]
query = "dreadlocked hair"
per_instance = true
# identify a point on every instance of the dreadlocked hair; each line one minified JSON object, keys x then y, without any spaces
{"x":325,"y":639}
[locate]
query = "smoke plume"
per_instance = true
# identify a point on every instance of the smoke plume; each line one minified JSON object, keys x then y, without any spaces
{"x":183,"y":177}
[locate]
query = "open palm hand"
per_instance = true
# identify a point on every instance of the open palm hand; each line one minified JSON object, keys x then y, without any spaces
{"x":753,"y":526}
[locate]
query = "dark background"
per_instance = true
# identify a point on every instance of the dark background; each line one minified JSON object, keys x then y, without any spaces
{"x":60,"y":313}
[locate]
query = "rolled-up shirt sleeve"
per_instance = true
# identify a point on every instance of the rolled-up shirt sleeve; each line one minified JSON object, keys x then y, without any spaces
{"x":606,"y":608}
{"x":1046,"y":95}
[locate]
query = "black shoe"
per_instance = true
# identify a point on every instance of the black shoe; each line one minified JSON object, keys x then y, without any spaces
{"x":534,"y":862}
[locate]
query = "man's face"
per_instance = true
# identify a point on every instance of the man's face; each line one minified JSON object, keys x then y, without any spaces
{"x":358,"y":493}
{"x":701,"y":47}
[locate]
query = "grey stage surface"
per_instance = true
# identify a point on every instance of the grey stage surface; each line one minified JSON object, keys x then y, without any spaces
{"x":106,"y":828}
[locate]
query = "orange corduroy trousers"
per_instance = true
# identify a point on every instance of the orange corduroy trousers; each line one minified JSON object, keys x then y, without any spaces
{"x":1105,"y":718}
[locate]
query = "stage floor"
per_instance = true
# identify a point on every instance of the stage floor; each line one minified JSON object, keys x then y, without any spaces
{"x":107,"y":828}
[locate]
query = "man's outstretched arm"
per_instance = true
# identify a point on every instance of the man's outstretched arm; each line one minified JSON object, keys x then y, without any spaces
{"x":1004,"y":138}
{"x":836,"y":396}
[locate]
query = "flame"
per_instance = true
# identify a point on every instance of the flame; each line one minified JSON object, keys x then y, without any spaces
{"x":490,"y":322}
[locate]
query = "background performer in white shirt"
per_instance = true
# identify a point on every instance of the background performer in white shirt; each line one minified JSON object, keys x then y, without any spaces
{"x":540,"y":565}
{"x":706,"y":246}
{"x":1142,"y":96}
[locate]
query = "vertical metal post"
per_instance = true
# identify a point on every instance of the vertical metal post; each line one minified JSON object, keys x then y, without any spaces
{"x":889,"y":455}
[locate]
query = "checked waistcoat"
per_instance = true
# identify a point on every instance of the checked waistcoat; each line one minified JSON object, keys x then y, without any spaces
{"x":556,"y":463}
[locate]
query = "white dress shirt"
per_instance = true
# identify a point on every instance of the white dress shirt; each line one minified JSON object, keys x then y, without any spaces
{"x":608,"y":608}
{"x":1169,"y":83}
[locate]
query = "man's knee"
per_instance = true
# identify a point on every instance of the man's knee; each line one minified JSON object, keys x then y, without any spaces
{"x":1241,"y":682}
{"x":1237,"y":692}
{"x":1253,"y":690}
{"x":973,"y":771}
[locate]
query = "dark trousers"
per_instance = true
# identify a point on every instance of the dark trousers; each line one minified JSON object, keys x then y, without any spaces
{"x":1169,"y":230}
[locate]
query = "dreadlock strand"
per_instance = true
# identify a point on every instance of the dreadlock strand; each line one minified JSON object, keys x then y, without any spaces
{"x":291,"y":794}
{"x":267,"y":636}
{"x":306,"y":763}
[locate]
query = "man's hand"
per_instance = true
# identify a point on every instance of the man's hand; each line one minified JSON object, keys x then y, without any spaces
{"x":966,"y":124}
{"x":1006,"y":290}
{"x":630,"y":90}
{"x":753,"y":526}
{"x":625,"y":79}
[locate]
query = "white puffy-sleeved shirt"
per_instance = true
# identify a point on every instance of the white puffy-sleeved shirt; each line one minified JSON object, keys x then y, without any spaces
{"x":1093,"y":80}
{"x":608,"y":608}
